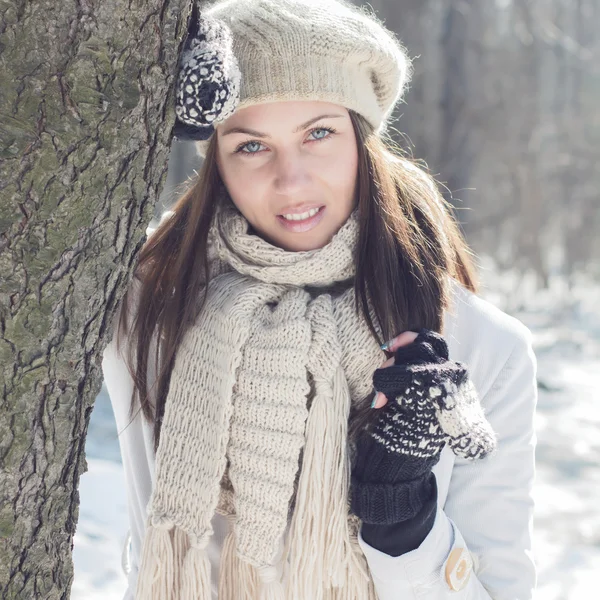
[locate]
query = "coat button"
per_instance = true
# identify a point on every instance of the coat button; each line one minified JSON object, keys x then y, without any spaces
{"x":458,"y":568}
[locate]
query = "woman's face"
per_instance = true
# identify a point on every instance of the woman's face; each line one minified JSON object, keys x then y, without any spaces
{"x":290,"y":168}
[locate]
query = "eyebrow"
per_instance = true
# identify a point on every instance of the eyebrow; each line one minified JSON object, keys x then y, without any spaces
{"x":266,"y":135}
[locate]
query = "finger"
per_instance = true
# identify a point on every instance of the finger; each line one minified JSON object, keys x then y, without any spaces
{"x":379,"y":401}
{"x":388,"y":363}
{"x":405,"y":338}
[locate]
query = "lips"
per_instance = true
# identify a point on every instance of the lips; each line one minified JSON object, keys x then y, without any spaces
{"x":295,"y":210}
{"x":302,"y":218}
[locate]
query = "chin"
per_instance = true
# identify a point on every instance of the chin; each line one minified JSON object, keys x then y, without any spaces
{"x":301,"y":241}
{"x":305,"y":244}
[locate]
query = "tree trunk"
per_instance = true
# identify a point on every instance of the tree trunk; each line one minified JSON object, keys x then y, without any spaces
{"x":85,"y":128}
{"x":461,"y":51}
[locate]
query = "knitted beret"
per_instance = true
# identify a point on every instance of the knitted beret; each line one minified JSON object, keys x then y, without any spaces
{"x":255,"y":51}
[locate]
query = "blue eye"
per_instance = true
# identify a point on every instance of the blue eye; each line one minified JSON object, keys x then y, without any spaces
{"x":250,"y":144}
{"x":241,"y":147}
{"x":321,"y":129}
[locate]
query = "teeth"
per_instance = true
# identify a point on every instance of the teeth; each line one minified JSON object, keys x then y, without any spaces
{"x":301,"y":216}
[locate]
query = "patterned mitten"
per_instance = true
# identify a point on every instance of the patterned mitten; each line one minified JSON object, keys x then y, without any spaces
{"x":431,"y":402}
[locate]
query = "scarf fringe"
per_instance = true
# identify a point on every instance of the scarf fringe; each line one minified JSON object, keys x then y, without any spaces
{"x":157,"y":567}
{"x":318,"y":545}
{"x":181,"y":545}
{"x":360,"y":583}
{"x":195,"y":581}
{"x":271,"y":588}
{"x":239,"y":580}
{"x":172,"y":569}
{"x":236,"y":579}
{"x":358,"y":573}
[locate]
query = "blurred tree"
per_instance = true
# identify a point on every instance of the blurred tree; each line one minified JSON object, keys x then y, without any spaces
{"x":85,"y":97}
{"x":503,"y":109}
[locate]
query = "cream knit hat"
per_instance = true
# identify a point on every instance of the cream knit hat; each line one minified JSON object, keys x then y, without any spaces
{"x":245,"y":52}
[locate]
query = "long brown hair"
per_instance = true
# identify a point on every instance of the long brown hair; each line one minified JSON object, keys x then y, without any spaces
{"x":409,"y":242}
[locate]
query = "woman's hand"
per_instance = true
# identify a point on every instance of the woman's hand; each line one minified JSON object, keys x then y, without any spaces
{"x":434,"y":400}
{"x":430,"y":402}
{"x":406,"y":337}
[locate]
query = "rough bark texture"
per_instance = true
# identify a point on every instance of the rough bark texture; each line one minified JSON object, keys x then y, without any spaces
{"x":86,"y":96}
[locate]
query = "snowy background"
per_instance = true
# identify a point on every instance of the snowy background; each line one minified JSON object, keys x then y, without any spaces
{"x":566,"y":327}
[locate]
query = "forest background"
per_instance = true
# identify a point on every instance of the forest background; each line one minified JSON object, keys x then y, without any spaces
{"x":503,"y":110}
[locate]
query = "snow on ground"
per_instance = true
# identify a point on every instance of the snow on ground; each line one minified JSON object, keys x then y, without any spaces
{"x":101,"y":531}
{"x":566,"y":328}
{"x":103,"y":521}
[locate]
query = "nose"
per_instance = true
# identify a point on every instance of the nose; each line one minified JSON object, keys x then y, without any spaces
{"x":291,"y":173}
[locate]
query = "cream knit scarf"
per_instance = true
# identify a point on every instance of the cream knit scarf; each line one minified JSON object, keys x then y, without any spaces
{"x":260,"y":392}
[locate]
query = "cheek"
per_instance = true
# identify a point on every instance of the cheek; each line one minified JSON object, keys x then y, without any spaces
{"x":343,"y":171}
{"x":244,"y":187}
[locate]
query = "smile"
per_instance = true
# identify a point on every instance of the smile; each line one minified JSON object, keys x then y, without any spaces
{"x":301,"y":216}
{"x":300,"y":222}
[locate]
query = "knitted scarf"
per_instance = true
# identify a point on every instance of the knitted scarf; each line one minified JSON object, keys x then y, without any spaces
{"x":255,"y":427}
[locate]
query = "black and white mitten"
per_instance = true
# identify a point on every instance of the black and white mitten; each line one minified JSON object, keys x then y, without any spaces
{"x":209,"y":78}
{"x":431,"y":402}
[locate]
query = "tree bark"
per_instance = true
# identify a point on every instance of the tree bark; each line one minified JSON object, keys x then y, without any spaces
{"x":85,"y":128}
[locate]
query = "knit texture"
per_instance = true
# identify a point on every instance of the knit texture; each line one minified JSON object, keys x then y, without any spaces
{"x":431,"y":402}
{"x":438,"y":398}
{"x":389,"y":488}
{"x":277,"y":50}
{"x":208,"y":83}
{"x":399,"y":538}
{"x":239,"y":436}
{"x":255,"y":426}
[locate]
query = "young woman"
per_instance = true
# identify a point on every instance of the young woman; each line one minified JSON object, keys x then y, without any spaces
{"x":274,"y":446}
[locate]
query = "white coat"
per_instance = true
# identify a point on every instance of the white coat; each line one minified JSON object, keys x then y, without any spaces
{"x":480,"y":547}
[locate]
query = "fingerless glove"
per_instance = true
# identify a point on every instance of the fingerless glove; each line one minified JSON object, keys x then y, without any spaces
{"x":431,"y":402}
